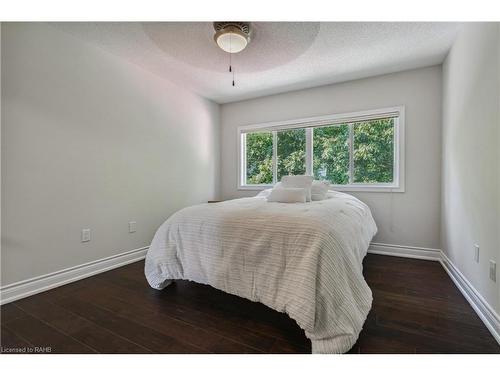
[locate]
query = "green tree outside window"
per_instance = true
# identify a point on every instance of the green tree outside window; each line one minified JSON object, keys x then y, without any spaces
{"x":372,"y":153}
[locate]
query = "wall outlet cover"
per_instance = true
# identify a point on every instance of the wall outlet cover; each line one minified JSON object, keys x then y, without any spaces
{"x":132,"y":226}
{"x":493,"y":270}
{"x":476,"y":253}
{"x":85,"y":235}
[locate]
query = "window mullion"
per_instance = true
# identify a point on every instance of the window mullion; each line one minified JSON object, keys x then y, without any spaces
{"x":351,"y":153}
{"x":309,"y":151}
{"x":275,"y":156}
{"x":395,"y":143}
{"x":243,"y":165}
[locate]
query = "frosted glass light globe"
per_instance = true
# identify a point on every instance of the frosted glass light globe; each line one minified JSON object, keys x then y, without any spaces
{"x":231,"y":40}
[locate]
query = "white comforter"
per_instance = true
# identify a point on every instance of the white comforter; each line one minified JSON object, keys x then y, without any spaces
{"x":304,"y":259}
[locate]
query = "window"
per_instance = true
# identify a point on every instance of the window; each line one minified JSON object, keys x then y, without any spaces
{"x":259,"y":157}
{"x":331,"y":154}
{"x":373,"y":151}
{"x":354,"y":152}
{"x":291,"y":152}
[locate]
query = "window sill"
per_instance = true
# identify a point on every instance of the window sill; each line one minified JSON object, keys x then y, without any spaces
{"x":346,"y":188}
{"x":255,"y":187}
{"x":369,"y":188}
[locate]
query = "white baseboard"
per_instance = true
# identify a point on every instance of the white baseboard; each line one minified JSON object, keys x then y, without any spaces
{"x":485,"y":312}
{"x":482,"y":308}
{"x":405,"y":251}
{"x":25,"y":288}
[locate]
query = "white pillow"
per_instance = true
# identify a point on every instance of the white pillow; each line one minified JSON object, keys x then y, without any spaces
{"x":319,"y":190}
{"x":264,"y":193}
{"x":302,"y":181}
{"x":287,"y":195}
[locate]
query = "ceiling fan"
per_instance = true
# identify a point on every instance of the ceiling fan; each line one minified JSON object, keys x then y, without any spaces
{"x":232,"y":37}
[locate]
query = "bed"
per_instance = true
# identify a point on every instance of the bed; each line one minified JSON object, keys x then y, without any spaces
{"x":303,"y":259}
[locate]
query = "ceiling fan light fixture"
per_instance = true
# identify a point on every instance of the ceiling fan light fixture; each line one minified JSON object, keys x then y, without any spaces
{"x":231,"y":37}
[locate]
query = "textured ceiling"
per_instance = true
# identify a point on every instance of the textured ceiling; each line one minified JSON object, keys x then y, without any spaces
{"x":281,"y":56}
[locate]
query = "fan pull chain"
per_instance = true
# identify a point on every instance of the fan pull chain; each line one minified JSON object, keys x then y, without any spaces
{"x":230,"y":57}
{"x":231,"y":67}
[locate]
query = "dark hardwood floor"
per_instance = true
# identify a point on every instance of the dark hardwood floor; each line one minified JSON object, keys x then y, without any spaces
{"x":416,"y":309}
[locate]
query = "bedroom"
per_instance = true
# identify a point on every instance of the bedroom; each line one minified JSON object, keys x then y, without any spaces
{"x":250,"y":187}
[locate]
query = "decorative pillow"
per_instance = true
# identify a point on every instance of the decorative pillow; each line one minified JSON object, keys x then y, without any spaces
{"x":288,"y":195}
{"x":301,"y":181}
{"x":319,"y":190}
{"x":264,"y":193}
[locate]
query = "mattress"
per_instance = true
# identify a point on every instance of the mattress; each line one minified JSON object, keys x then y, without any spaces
{"x":303,"y":259}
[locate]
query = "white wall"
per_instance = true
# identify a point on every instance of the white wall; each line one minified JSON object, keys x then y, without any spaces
{"x":90,"y":141}
{"x":0,"y":142}
{"x":411,"y":218}
{"x":471,"y":158}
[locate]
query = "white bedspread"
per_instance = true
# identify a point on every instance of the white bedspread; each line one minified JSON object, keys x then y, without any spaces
{"x":304,"y":259}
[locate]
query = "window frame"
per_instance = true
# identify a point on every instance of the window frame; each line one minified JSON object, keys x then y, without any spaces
{"x":397,"y":112}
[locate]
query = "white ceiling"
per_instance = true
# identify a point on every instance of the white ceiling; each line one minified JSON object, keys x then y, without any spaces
{"x":282,"y":56}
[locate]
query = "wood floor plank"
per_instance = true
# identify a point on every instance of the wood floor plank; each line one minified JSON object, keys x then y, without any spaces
{"x":251,"y":315}
{"x":99,"y":338}
{"x":41,"y":335}
{"x":9,"y":312}
{"x":380,"y":340}
{"x":154,"y":317}
{"x":434,"y":307}
{"x":416,"y":309}
{"x":68,"y":289}
{"x":202,"y":313}
{"x":12,"y":343}
{"x":142,"y":335}
{"x":431,"y":325}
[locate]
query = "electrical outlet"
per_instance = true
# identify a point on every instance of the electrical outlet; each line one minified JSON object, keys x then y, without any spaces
{"x":493,"y":270}
{"x":476,"y":253}
{"x":132,"y":226}
{"x":85,"y":235}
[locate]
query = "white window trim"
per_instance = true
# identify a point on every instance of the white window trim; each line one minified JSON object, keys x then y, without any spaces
{"x":398,"y":186}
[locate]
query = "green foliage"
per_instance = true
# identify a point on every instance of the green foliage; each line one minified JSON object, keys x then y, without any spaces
{"x":373,"y":153}
{"x":259,"y":158}
{"x":291,"y":152}
{"x":331,"y":153}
